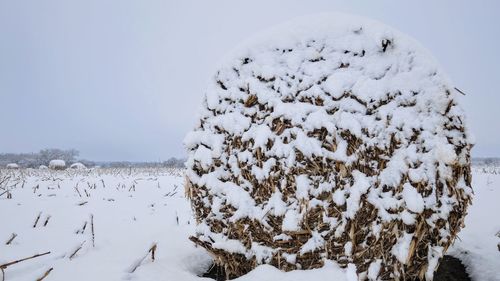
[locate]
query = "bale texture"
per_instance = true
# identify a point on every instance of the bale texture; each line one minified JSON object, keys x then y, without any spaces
{"x":330,"y":138}
{"x":57,"y":164}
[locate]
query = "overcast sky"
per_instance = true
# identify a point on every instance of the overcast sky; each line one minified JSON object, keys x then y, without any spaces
{"x":123,"y":80}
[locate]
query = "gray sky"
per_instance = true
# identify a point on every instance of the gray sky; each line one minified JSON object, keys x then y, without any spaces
{"x":123,"y":79}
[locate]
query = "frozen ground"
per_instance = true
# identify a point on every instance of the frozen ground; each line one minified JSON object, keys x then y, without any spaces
{"x":134,"y":209}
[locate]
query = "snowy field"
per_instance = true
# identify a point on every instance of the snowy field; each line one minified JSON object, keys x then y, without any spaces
{"x":104,"y":224}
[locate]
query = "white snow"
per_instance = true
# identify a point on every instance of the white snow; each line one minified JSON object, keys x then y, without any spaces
{"x":291,"y":220}
{"x":133,"y":209}
{"x":413,"y":199}
{"x":57,"y":164}
{"x":374,"y":269}
{"x":339,"y":197}
{"x":434,"y":255}
{"x":77,"y":165}
{"x":330,"y":271}
{"x":401,"y":249}
{"x":348,"y":248}
{"x":351,"y":273}
{"x":360,"y":186}
{"x":478,"y":244}
{"x":12,"y":166}
{"x":303,"y":186}
{"x":230,"y":245}
{"x":376,"y":93}
{"x":314,"y":243}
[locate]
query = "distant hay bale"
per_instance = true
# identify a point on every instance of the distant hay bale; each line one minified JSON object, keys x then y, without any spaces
{"x":332,"y":137}
{"x":77,"y":166}
{"x":13,"y":166}
{"x":43,"y":167}
{"x":57,"y":164}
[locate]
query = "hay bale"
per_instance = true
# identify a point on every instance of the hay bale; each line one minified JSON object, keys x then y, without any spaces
{"x":57,"y":164}
{"x":333,"y":137}
{"x":77,"y":166}
{"x":12,"y":166}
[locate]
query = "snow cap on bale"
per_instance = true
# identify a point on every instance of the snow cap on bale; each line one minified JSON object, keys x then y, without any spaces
{"x":57,"y":164}
{"x":332,"y":137}
{"x":78,"y":166}
{"x":12,"y":166}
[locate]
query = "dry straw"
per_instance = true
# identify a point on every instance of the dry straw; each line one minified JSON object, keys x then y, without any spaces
{"x":362,"y":239}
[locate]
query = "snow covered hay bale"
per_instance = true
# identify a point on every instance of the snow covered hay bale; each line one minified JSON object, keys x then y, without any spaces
{"x":57,"y":164}
{"x":12,"y":166}
{"x":78,"y":166}
{"x":333,"y":137}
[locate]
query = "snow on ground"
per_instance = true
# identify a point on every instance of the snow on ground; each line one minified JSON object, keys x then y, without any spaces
{"x":478,"y":245}
{"x":132,"y":209}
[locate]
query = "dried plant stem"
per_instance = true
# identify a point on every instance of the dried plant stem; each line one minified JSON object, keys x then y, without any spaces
{"x":37,"y":219}
{"x":92,"y":229}
{"x":458,"y":90}
{"x":46,"y":220}
{"x":77,"y":250}
{"x":14,"y":235}
{"x":5,"y":265}
{"x":45,"y":274}
{"x":151,"y":250}
{"x":82,"y":230}
{"x":78,"y":191}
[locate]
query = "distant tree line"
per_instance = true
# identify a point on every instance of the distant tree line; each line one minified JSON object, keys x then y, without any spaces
{"x":70,"y":156}
{"x":43,"y":157}
{"x":172,"y":162}
{"x":486,"y":161}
